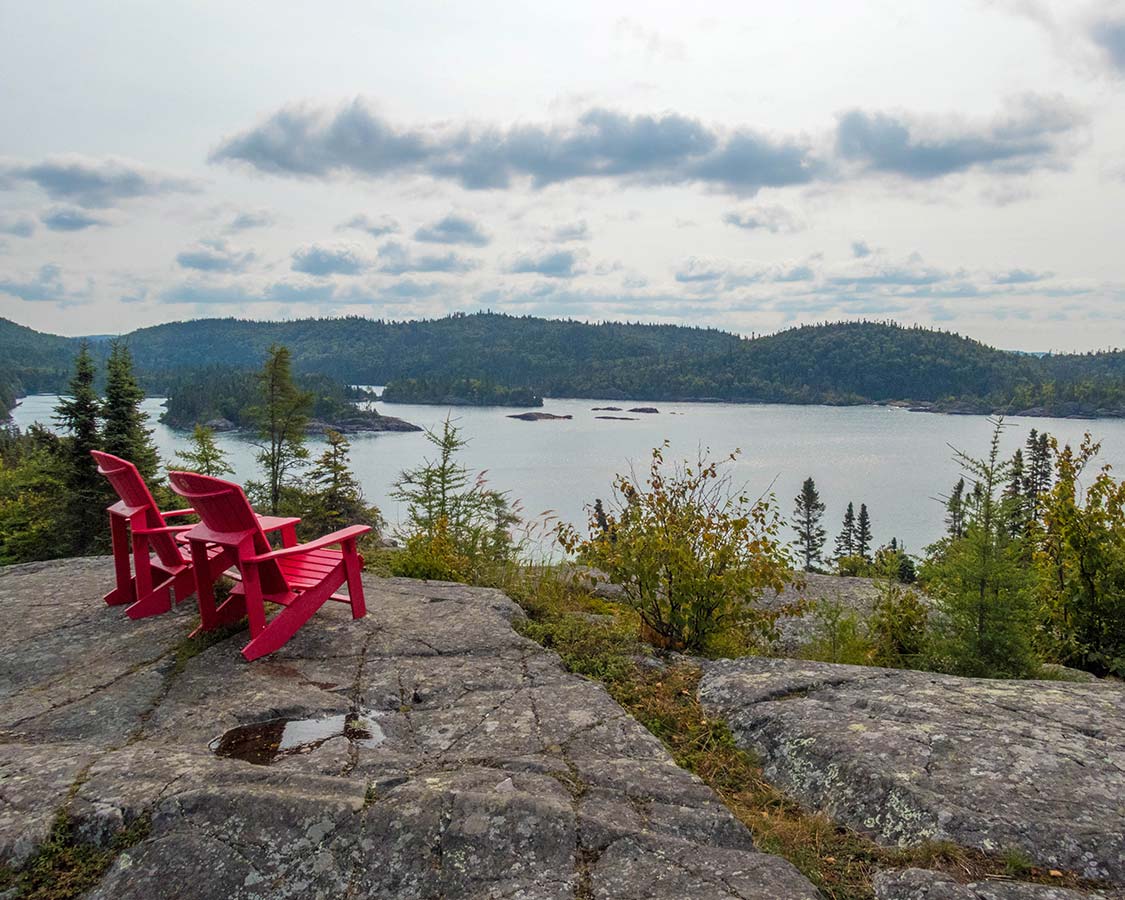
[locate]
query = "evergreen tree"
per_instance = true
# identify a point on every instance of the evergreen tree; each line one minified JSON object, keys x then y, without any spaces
{"x":204,"y":457}
{"x":806,"y":522}
{"x":981,"y":582}
{"x":1037,"y":480}
{"x":955,"y":510}
{"x":124,"y":433}
{"x":845,"y":541}
{"x":1014,"y":499}
{"x":281,"y":418}
{"x":78,"y":415}
{"x":336,"y":498}
{"x":863,"y":533}
{"x":456,"y":522}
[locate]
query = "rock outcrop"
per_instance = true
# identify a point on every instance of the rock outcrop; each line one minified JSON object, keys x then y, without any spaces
{"x":922,"y":884}
{"x":1037,"y":766}
{"x":425,"y":751}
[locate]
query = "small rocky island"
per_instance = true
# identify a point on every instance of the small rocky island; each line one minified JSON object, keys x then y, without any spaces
{"x":538,"y":417}
{"x":360,"y":420}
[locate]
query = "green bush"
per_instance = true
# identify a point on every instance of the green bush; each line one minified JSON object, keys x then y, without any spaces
{"x":691,"y":554}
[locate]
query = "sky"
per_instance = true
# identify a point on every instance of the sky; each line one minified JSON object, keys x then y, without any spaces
{"x":749,"y":166}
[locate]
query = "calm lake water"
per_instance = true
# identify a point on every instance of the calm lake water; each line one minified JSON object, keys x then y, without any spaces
{"x":893,"y":460}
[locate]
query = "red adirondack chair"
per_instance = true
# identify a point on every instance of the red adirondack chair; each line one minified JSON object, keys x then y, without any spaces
{"x":300,"y":578}
{"x":147,"y":584}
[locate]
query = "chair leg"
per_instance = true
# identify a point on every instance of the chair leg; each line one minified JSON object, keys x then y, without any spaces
{"x":123,"y":592}
{"x":285,"y":624}
{"x":255,"y":605}
{"x":201,"y":565}
{"x":353,"y":565}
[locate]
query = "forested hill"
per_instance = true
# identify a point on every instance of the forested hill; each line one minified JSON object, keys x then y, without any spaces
{"x":850,"y":362}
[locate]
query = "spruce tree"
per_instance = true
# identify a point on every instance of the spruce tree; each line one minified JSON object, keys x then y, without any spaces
{"x":845,"y":541}
{"x":281,"y":419}
{"x":204,"y":457}
{"x":124,"y":433}
{"x":1037,"y":480}
{"x":806,"y":521}
{"x":87,"y":493}
{"x":981,"y":582}
{"x":863,"y":533}
{"x":1014,"y":499}
{"x":336,"y":498}
{"x":955,"y":510}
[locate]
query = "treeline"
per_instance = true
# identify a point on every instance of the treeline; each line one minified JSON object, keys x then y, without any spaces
{"x":199,"y":396}
{"x":459,"y":392}
{"x":838,"y":363}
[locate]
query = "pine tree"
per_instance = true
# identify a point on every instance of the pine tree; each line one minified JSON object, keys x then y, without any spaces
{"x":955,"y":510}
{"x":1037,"y":480}
{"x":87,"y":494}
{"x":863,"y":533}
{"x":336,"y":497}
{"x":124,"y":433}
{"x":845,"y":541}
{"x":981,"y":582}
{"x":806,"y":521}
{"x":1014,"y":499}
{"x":204,"y":457}
{"x":281,"y":419}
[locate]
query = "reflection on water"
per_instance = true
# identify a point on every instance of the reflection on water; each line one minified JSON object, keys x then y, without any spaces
{"x":262,"y":743}
{"x":893,"y":460}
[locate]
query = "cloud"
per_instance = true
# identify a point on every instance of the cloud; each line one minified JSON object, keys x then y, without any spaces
{"x":321,"y":261}
{"x":571,"y":231}
{"x":209,"y":292}
{"x":244,"y":221}
{"x":46,"y":286}
{"x":214,"y":256}
{"x":774,"y":219}
{"x":69,"y":218}
{"x":860,"y":249}
{"x":1108,"y":33}
{"x":724,"y":275}
{"x":374,"y":227}
{"x":1021,"y":276}
{"x":94,"y":183}
{"x":1027,"y":137}
{"x":649,"y":39}
{"x":553,"y":264}
{"x":18,"y":226}
{"x":453,"y":229}
{"x":354,"y":140}
{"x":890,"y":275}
{"x":697,"y":270}
{"x":395,"y":259}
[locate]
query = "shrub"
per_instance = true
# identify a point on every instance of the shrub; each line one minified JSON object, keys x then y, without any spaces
{"x":839,"y":636}
{"x":691,"y":553}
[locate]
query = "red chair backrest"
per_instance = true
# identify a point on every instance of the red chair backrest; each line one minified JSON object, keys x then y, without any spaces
{"x":224,"y":509}
{"x":135,"y":495}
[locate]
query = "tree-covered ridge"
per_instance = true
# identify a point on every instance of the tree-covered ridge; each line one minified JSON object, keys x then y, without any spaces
{"x":837,"y":363}
{"x":459,"y":392}
{"x":31,"y":361}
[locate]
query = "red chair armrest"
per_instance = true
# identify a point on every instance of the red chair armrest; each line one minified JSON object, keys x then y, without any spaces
{"x":344,"y":535}
{"x":167,"y":529}
{"x":276,"y":523}
{"x":178,"y":512}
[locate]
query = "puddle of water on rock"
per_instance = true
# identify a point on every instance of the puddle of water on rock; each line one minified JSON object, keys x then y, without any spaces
{"x":262,"y":743}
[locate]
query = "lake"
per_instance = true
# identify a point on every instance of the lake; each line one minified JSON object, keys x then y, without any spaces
{"x":893,"y":460}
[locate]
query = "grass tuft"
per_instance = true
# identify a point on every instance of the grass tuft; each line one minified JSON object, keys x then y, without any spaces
{"x":63,"y":867}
